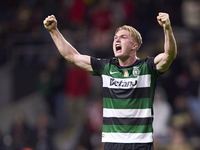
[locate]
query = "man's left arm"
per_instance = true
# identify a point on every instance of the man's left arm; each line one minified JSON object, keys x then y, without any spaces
{"x":164,"y":60}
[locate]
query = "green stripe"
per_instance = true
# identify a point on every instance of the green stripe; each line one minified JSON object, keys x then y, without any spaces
{"x":128,"y":128}
{"x":144,"y":69}
{"x":141,"y":103}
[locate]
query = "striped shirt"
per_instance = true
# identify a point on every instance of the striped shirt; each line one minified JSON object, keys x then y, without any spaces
{"x":128,"y":94}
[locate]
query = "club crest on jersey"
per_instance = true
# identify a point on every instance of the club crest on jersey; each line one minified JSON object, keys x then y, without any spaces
{"x":125,"y":71}
{"x":136,"y":71}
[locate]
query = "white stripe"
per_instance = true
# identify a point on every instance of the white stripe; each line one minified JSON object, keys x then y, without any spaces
{"x":127,"y":113}
{"x":127,"y":83}
{"x":127,"y":137}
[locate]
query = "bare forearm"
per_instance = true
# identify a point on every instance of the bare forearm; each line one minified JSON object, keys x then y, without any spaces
{"x":64,"y":47}
{"x":170,"y":47}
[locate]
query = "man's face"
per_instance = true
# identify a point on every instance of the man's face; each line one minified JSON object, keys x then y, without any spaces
{"x":123,"y":44}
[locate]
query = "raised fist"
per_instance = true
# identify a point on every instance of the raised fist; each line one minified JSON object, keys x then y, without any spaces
{"x":163,"y":20}
{"x":50,"y":23}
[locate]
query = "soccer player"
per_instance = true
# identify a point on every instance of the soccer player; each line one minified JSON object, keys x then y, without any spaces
{"x":128,"y":83}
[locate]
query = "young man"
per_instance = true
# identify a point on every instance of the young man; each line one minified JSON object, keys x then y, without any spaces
{"x":128,"y":83}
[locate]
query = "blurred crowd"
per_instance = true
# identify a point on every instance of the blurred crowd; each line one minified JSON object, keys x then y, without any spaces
{"x":73,"y":96}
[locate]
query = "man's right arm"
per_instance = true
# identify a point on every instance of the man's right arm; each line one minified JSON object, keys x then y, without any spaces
{"x":65,"y":48}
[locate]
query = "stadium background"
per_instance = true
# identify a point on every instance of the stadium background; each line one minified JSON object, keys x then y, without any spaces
{"x":38,"y":87}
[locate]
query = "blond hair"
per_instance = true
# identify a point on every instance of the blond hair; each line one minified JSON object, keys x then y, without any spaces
{"x":133,"y":32}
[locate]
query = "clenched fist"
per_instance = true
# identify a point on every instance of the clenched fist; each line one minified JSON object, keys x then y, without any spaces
{"x":163,"y":20}
{"x":50,"y":23}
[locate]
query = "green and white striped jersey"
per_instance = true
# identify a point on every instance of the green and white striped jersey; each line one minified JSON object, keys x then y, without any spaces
{"x":128,"y":94}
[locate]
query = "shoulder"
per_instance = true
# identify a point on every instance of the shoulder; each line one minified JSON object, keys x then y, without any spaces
{"x":99,"y":64}
{"x":101,"y":61}
{"x":148,"y":62}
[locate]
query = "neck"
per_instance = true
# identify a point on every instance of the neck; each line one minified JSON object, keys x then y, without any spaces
{"x":127,"y":62}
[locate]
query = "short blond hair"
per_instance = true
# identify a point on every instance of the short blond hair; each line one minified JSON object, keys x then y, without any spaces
{"x":134,"y":33}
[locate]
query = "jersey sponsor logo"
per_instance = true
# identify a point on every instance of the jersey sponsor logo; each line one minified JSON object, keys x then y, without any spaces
{"x":122,"y":83}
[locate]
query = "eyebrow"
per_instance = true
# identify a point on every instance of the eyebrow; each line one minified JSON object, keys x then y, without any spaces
{"x":121,"y":35}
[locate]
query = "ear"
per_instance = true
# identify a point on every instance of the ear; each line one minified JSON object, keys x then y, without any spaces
{"x":135,"y":46}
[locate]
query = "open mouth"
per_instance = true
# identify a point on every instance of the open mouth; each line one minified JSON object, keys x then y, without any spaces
{"x":118,"y":47}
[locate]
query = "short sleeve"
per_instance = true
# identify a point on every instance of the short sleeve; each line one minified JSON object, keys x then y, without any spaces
{"x":98,"y":65}
{"x":151,"y":65}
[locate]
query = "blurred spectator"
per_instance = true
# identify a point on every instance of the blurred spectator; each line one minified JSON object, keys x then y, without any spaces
{"x":2,"y":142}
{"x":178,"y":141}
{"x":90,"y":137}
{"x":101,"y":27}
{"x":180,"y":105}
{"x":129,"y":7}
{"x":100,"y":15}
{"x":44,"y":132}
{"x":191,"y":131}
{"x":68,"y":14}
{"x":45,"y":83}
{"x":122,"y":12}
{"x":183,"y":120}
{"x":162,"y":115}
{"x":193,"y":101}
{"x":23,"y":17}
{"x":100,"y":43}
{"x":77,"y":17}
{"x":193,"y":104}
{"x":191,"y":14}
{"x":21,"y":133}
{"x":51,"y":82}
{"x":196,"y":48}
{"x":77,"y":88}
{"x":194,"y":81}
